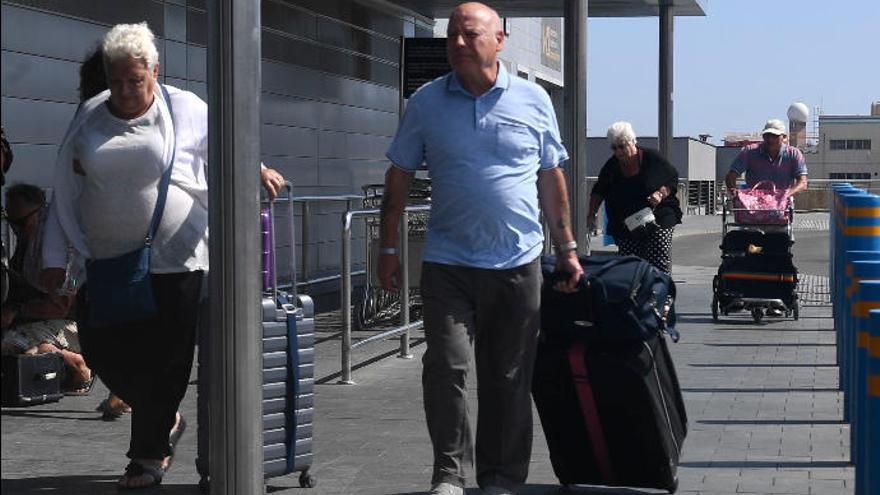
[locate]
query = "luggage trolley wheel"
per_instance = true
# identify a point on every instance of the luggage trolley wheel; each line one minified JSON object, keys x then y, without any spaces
{"x":307,"y":480}
{"x":757,"y":314}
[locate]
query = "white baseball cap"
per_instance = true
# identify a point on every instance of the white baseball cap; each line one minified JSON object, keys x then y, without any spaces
{"x":774,"y":126}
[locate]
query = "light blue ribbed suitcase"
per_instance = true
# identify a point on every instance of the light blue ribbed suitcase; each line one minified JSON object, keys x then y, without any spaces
{"x":288,"y":377}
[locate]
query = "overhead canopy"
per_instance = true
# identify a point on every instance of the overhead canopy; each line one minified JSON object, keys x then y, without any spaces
{"x":554,"y":8}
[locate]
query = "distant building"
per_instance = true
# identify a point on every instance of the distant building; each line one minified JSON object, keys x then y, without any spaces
{"x":849,"y":147}
{"x":724,"y":156}
{"x":841,"y":147}
{"x":740,"y":139}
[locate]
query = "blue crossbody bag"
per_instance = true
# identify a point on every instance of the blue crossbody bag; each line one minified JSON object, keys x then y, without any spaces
{"x":120,"y":289}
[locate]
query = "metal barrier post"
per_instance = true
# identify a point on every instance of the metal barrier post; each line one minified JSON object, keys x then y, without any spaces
{"x":345,"y":307}
{"x":345,"y":299}
{"x":872,"y":433}
{"x":404,"y":285}
{"x":867,"y":298}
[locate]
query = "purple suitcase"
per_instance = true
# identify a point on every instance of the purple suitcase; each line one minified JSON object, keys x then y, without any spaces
{"x":267,"y":236}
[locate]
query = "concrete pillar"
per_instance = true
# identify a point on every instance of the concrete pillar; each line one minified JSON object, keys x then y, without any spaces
{"x":575,"y":117}
{"x":236,"y":441}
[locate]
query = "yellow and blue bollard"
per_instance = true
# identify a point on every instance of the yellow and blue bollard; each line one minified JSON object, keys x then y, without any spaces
{"x":860,"y":265}
{"x":872,"y":430}
{"x":836,"y":189}
{"x":842,"y":323}
{"x":867,"y":298}
{"x":838,"y":261}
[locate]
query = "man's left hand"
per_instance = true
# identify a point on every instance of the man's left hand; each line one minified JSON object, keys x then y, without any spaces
{"x":272,"y":181}
{"x":568,"y":263}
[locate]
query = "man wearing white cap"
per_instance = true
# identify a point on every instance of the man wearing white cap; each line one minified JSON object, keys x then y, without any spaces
{"x":772,"y":160}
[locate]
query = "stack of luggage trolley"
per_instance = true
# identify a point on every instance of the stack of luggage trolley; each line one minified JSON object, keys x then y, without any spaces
{"x":757,"y":273}
{"x":604,"y":383}
{"x":375,"y":305}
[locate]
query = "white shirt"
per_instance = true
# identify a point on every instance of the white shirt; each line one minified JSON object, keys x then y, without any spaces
{"x":107,"y":211}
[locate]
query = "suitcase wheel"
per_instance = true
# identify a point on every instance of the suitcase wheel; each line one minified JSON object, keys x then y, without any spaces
{"x":307,"y":480}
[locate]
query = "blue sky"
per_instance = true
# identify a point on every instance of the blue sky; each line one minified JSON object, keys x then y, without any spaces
{"x":743,"y":63}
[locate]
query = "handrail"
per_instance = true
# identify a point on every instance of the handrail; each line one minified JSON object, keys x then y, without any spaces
{"x":306,"y":251}
{"x":345,"y":303}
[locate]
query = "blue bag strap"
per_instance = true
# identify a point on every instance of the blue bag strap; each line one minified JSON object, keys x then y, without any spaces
{"x":292,"y":390}
{"x":166,"y":175}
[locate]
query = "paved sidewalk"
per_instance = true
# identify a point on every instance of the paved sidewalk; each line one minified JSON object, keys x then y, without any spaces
{"x":764,"y":410}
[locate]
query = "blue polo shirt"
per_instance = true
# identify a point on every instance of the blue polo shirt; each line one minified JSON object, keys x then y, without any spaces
{"x":483,"y":156}
{"x":758,"y":166}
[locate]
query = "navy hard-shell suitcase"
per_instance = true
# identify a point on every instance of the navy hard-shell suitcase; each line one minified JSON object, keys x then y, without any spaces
{"x":288,"y":374}
{"x":611,"y":409}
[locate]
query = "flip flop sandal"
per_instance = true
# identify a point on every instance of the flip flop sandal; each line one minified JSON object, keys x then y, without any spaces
{"x":136,"y":469}
{"x":81,"y":389}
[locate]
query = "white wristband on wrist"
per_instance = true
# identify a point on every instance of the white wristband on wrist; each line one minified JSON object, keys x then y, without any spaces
{"x":566,"y":247}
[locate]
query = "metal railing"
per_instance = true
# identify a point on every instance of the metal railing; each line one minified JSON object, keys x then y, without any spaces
{"x":306,"y":203}
{"x":345,"y":303}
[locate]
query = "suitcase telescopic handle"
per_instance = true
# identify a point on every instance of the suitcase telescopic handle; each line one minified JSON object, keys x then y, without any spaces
{"x":288,"y":187}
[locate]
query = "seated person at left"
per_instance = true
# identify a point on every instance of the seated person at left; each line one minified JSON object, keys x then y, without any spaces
{"x":35,"y":321}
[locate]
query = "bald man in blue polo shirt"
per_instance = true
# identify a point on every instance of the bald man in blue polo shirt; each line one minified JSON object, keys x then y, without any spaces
{"x":492,"y":149}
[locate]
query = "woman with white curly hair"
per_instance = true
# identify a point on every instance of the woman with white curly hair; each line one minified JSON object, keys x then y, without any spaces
{"x":632,"y":180}
{"x":107,"y":187}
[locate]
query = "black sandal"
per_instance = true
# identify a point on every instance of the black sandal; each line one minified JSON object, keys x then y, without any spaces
{"x":82,"y":388}
{"x":110,"y":413}
{"x":135,"y":469}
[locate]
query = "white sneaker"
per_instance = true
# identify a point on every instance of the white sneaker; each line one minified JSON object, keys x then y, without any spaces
{"x":496,"y":490}
{"x":446,"y":489}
